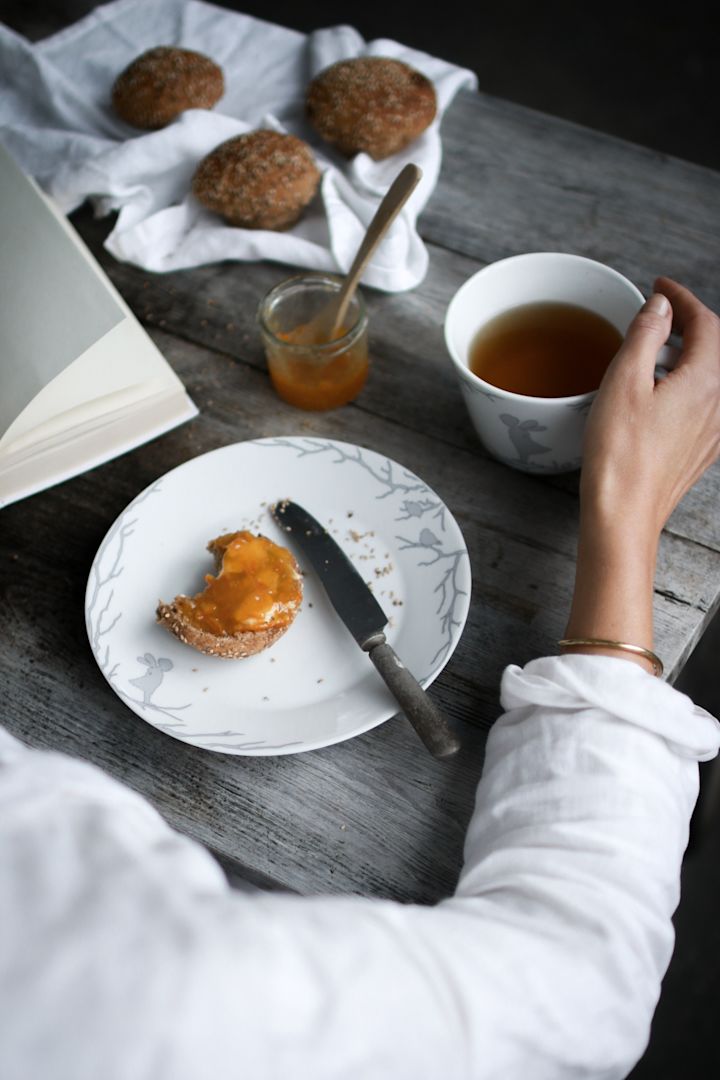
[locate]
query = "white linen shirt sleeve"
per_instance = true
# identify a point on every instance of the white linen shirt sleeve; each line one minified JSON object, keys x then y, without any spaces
{"x":125,"y":955}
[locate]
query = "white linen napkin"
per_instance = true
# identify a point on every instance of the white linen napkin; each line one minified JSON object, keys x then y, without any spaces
{"x":57,"y":120}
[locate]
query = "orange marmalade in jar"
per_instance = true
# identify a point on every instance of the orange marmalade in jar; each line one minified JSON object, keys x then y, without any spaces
{"x":306,"y":370}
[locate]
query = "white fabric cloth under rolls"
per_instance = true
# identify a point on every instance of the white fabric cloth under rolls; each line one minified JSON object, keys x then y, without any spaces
{"x":57,"y":120}
{"x":124,"y":954}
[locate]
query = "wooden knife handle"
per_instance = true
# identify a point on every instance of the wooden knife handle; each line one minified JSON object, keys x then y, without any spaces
{"x":430,"y":725}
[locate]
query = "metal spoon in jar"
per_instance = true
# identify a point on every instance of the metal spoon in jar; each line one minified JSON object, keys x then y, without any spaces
{"x":324,"y":327}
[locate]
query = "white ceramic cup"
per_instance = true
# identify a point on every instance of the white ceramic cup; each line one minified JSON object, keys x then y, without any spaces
{"x":535,"y":434}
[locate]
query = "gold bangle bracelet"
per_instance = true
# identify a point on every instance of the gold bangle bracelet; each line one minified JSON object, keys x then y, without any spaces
{"x":623,"y":646}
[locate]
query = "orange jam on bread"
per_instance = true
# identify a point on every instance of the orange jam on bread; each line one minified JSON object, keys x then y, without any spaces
{"x":258,"y":587}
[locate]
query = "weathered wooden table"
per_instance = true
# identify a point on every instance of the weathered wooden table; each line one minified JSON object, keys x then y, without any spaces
{"x":376,"y":814}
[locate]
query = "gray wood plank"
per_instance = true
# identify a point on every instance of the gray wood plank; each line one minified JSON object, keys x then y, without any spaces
{"x":376,"y":814}
{"x":412,"y":384}
{"x":412,"y":381}
{"x":282,"y":819}
{"x":516,"y":180}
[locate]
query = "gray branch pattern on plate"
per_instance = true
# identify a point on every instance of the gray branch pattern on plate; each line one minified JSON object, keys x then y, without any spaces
{"x":102,"y":615}
{"x":385,"y":477}
{"x":449,"y":563}
{"x":143,"y":680}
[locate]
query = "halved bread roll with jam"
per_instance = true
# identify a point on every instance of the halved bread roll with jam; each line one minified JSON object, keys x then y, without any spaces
{"x":244,"y":608}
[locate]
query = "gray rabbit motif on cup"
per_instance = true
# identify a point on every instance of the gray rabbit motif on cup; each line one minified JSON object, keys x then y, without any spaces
{"x":520,"y":437}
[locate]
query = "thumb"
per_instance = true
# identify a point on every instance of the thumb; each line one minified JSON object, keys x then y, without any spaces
{"x":647,"y":332}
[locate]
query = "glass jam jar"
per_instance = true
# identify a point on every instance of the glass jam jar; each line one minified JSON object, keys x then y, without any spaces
{"x":309,"y":373}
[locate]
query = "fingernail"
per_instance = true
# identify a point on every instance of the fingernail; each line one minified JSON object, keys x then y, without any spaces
{"x":658,"y":304}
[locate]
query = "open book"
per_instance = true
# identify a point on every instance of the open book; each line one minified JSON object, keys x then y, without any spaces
{"x":80,"y":380}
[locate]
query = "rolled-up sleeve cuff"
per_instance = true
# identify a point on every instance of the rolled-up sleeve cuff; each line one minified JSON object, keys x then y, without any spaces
{"x":617,"y":687}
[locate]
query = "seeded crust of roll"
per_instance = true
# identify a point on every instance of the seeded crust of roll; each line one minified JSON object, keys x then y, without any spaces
{"x":260,"y":180}
{"x":234,"y":647}
{"x":230,"y":646}
{"x":373,"y":104}
{"x":162,"y":83}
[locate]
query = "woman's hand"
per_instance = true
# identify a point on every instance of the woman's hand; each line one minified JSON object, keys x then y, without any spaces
{"x":646,"y":444}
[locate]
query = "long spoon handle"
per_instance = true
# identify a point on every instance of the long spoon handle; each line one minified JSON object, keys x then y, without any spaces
{"x":395,"y":198}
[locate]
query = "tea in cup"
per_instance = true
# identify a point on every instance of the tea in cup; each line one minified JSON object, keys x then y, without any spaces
{"x":531,"y":337}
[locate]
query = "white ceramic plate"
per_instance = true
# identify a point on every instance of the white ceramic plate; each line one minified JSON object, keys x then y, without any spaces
{"x":315,"y":686}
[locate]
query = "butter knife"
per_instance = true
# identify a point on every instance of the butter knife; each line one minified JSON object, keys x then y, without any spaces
{"x":366,"y":620}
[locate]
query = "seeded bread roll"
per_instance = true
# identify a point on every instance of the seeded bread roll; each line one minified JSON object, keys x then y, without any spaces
{"x":162,"y":82}
{"x":372,"y":104}
{"x":260,"y":180}
{"x":249,"y":609}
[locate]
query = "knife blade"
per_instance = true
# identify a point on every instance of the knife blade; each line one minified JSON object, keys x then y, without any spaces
{"x":365,"y":619}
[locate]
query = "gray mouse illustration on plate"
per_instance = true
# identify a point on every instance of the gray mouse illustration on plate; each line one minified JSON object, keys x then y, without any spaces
{"x":150,"y":681}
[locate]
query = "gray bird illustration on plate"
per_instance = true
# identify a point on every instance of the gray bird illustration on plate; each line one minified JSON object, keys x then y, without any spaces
{"x":522,"y":440}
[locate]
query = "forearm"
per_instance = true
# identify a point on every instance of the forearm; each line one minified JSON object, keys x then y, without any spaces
{"x":613,"y":597}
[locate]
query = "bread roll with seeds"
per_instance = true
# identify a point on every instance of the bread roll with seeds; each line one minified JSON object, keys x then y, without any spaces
{"x":372,"y":103}
{"x":162,"y":83}
{"x":246,"y":607}
{"x":261,"y":180}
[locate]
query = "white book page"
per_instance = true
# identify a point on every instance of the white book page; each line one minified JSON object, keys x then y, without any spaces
{"x":123,"y":368}
{"x":54,"y":301}
{"x":100,"y":442}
